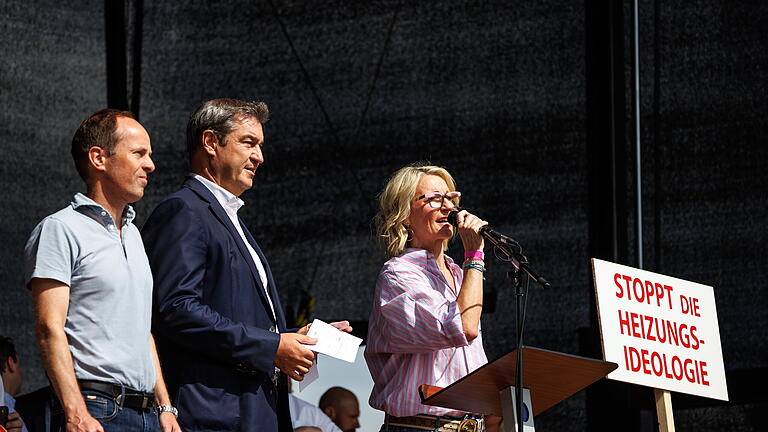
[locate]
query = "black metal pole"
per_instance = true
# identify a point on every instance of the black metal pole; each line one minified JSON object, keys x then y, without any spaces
{"x":138,"y":35}
{"x":519,"y":307}
{"x":117,"y":75}
{"x":638,"y":147}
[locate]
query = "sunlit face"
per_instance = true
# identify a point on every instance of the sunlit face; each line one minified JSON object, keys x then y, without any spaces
{"x":234,"y":164}
{"x":429,"y":225}
{"x":346,"y":414}
{"x":127,"y":168}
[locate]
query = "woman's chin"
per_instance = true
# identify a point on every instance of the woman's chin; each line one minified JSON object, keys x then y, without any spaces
{"x":443,"y":235}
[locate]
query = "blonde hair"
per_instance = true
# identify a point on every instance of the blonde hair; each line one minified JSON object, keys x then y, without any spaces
{"x":395,"y":205}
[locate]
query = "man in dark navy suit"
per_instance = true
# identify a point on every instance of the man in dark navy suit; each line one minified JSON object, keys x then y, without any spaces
{"x":220,"y":329}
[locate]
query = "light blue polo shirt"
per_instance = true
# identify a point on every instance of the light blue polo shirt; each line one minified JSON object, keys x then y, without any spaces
{"x":110,"y":297}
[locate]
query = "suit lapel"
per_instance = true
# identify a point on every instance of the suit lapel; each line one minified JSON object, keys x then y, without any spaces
{"x":222,"y":216}
{"x":271,"y":282}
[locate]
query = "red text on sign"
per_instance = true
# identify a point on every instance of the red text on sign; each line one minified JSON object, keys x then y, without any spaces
{"x":671,"y":367}
{"x":641,"y":290}
{"x":658,"y":330}
{"x":689,"y":305}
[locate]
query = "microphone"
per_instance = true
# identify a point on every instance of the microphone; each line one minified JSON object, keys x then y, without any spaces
{"x":507,"y":245}
{"x":492,"y":235}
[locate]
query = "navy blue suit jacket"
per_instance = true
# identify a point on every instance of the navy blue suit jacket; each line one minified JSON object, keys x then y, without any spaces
{"x":211,"y":317}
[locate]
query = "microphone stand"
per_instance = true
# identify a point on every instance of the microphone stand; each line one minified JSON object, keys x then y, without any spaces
{"x":512,"y":253}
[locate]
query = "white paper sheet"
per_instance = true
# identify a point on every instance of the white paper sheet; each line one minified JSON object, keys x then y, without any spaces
{"x":310,"y":377}
{"x":333,"y":342}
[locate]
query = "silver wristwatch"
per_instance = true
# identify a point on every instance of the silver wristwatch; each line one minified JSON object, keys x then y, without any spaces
{"x":167,"y":408}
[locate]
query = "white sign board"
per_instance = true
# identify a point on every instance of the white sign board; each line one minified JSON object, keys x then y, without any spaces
{"x":662,"y":331}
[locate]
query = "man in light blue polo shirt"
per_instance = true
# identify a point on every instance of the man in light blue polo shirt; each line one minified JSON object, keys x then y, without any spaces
{"x":92,"y":288}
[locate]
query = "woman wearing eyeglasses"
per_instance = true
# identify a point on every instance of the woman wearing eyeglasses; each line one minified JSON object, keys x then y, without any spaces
{"x":424,"y":326}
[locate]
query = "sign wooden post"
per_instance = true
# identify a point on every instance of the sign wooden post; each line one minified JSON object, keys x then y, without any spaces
{"x":664,"y":410}
{"x":663,"y":333}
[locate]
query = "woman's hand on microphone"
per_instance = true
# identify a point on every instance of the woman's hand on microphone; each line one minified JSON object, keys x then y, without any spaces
{"x":468,"y":227}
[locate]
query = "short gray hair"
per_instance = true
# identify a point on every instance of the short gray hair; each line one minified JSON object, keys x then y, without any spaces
{"x":220,"y":116}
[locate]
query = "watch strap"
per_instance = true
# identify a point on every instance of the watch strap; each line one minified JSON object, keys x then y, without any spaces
{"x":168,"y":408}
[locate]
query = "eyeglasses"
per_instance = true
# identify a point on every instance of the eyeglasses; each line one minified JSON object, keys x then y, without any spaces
{"x":435,"y":199}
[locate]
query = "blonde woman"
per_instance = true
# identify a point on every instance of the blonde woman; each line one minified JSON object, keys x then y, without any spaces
{"x":424,"y":326}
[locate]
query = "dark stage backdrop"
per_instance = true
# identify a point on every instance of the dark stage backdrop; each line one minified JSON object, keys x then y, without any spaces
{"x":495,"y":91}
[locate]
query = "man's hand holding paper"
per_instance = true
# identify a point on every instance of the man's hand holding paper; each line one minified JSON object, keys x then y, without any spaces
{"x":333,"y":339}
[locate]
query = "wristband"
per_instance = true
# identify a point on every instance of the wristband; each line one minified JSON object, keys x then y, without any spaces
{"x":474,"y":254}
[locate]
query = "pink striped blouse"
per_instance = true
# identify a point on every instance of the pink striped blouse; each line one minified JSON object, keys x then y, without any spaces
{"x":415,"y":335}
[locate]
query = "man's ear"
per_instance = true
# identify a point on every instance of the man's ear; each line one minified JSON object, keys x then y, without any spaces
{"x":210,"y":141}
{"x":10,"y":365}
{"x":330,"y":412}
{"x":97,"y":157}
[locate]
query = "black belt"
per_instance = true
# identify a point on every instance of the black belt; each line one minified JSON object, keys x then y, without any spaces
{"x":123,"y":396}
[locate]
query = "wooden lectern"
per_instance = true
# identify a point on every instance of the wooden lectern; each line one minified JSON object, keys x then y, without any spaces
{"x":551,"y":377}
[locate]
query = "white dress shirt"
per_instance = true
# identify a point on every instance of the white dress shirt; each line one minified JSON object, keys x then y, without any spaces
{"x":231,"y":205}
{"x":305,"y":414}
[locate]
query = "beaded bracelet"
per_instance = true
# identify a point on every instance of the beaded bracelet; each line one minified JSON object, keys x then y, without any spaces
{"x":477,"y":265}
{"x":473,"y":261}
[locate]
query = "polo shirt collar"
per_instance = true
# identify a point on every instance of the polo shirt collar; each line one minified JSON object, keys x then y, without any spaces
{"x":86,"y":205}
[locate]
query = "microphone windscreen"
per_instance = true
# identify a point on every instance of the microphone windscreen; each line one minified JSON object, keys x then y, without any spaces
{"x":452,"y":218}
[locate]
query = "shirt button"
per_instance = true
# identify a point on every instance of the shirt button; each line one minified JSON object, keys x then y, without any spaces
{"x":273,"y":329}
{"x":103,"y":213}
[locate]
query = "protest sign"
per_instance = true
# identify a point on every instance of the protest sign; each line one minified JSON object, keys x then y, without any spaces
{"x":662,"y":331}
